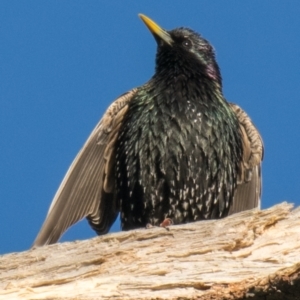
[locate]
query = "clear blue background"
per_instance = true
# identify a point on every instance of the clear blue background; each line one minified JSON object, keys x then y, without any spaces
{"x":63,"y":62}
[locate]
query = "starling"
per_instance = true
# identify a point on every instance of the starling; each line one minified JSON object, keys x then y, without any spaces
{"x":172,"y":149}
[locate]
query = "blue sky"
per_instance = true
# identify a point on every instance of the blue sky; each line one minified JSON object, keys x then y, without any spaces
{"x":63,"y":62}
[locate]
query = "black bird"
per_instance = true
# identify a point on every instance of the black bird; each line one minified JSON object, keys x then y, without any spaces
{"x":170,"y":151}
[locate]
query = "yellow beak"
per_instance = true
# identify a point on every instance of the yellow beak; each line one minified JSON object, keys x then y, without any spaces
{"x":158,"y":33}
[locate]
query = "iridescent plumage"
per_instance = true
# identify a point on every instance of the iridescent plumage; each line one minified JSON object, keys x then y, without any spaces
{"x":173,"y":148}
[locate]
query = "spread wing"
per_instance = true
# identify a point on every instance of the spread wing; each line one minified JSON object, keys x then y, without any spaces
{"x":87,"y":189}
{"x":248,"y":192}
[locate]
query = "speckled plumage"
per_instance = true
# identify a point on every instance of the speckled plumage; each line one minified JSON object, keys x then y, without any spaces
{"x":173,"y":148}
{"x":181,"y":148}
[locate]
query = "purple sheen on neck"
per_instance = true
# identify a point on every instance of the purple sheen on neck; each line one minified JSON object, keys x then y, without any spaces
{"x":211,"y":72}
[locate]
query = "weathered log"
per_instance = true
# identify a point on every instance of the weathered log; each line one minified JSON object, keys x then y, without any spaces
{"x":250,"y":255}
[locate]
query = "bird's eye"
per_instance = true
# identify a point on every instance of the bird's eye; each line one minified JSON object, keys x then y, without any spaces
{"x":187,"y":44}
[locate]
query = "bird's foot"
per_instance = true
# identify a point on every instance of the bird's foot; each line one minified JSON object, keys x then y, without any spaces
{"x":166,"y":223}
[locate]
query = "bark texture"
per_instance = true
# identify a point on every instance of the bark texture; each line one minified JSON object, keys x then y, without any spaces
{"x":250,"y":255}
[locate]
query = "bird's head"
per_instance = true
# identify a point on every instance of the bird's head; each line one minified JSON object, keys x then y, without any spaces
{"x":184,"y":50}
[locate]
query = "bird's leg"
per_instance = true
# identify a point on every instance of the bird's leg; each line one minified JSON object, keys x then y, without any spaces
{"x":166,"y":222}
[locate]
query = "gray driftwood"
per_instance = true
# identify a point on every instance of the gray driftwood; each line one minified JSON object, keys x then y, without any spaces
{"x":250,"y":255}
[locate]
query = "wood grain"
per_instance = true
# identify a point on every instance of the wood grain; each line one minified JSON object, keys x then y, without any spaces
{"x":252,"y":254}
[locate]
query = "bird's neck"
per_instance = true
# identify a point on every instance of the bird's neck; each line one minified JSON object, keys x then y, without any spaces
{"x":178,"y":80}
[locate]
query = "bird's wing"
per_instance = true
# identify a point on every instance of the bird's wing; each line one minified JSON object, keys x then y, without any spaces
{"x":87,"y":188}
{"x":248,"y":191}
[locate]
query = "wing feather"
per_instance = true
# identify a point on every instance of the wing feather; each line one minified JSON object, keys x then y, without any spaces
{"x":81,"y":193}
{"x":248,"y":192}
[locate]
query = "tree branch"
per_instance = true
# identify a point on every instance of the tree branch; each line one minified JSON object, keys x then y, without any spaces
{"x":251,"y":254}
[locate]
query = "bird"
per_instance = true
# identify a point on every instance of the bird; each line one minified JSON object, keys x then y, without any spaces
{"x":171,"y":151}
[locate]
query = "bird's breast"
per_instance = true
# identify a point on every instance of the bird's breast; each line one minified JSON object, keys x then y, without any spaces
{"x":173,"y":158}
